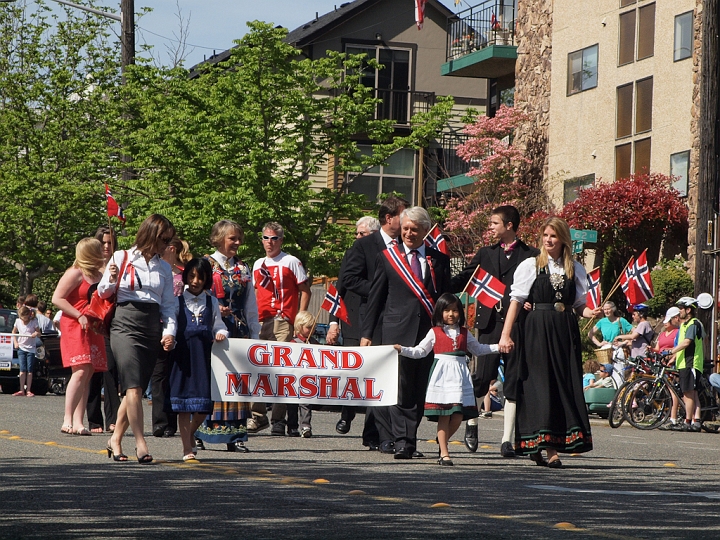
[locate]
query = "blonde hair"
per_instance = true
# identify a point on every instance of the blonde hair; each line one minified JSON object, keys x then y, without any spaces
{"x":303,"y":319}
{"x":182,"y":250}
{"x":24,"y":311}
{"x":562,"y":231}
{"x":221,"y":229}
{"x":89,"y":256}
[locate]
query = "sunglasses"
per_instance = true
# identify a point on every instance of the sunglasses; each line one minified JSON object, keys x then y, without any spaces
{"x":602,"y":371}
{"x":273,"y":238}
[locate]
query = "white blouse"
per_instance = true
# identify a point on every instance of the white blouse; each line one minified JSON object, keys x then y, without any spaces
{"x":196,"y":305}
{"x":526,"y":273}
{"x":147,"y":281}
{"x":422,"y":349}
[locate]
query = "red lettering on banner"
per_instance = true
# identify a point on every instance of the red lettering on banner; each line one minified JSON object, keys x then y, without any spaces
{"x":307,"y":358}
{"x":329,"y":387}
{"x":370,"y":391}
{"x":352,"y":386}
{"x":286,"y":386}
{"x":263,"y":385}
{"x":281,"y":356}
{"x":351,"y":360}
{"x":308,"y":387}
{"x":332,"y":356}
{"x":238,"y":383}
{"x":259,"y":355}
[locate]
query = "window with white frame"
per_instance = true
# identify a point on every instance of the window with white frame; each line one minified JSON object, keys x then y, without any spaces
{"x":683,"y":36}
{"x":397,"y":175}
{"x":680,"y":169}
{"x":582,"y":70}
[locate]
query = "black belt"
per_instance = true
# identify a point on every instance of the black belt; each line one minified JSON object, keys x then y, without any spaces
{"x":557,"y":306}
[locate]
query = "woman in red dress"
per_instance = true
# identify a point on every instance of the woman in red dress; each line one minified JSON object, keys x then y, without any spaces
{"x":82,"y":349}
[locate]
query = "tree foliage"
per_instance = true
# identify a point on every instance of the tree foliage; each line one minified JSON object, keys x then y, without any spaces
{"x":55,"y":139}
{"x":242,"y":139}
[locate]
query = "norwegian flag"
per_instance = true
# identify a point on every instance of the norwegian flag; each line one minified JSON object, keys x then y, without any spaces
{"x":334,"y":305}
{"x":266,"y":281}
{"x":420,"y":13}
{"x":487,"y":289}
{"x":436,"y":240}
{"x":5,"y":339}
{"x":494,"y":23}
{"x":594,"y":297}
{"x":636,"y":282}
{"x":113,"y":208}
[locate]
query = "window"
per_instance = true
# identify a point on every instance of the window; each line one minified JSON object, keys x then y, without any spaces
{"x":624,"y":110}
{"x":642,"y":156}
{"x":636,"y":34}
{"x":574,"y":185}
{"x":623,"y":159}
{"x":582,"y":70}
{"x":683,"y":36}
{"x":397,"y":175}
{"x":680,"y":168}
{"x":643,"y":105}
{"x":624,"y":3}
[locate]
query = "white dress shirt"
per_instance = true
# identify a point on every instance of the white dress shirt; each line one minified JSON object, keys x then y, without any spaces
{"x":421,"y":257}
{"x":146,"y":281}
{"x":386,"y":238}
{"x":196,"y":305}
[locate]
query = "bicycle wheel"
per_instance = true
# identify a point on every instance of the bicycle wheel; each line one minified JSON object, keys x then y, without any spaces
{"x":649,"y":404}
{"x":617,"y":415}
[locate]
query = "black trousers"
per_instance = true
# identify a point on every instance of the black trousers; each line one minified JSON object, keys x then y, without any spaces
{"x":160,"y":394}
{"x":370,"y":434}
{"x":486,"y":366}
{"x":408,"y":413}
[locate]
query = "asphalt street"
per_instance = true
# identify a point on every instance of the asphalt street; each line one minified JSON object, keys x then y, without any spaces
{"x":634,"y":484}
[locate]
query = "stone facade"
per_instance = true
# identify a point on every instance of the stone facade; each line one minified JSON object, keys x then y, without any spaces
{"x":694,"y":172}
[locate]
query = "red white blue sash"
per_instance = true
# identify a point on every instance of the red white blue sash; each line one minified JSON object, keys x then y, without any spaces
{"x":399,"y":263}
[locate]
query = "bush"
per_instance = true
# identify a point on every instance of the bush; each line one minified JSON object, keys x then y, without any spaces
{"x":670,"y":281}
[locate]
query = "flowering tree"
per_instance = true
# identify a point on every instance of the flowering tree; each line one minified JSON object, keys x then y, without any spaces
{"x":495,"y":164}
{"x":630,"y":214}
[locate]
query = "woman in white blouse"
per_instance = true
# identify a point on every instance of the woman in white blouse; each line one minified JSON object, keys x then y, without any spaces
{"x":551,"y":411}
{"x":144,"y":323}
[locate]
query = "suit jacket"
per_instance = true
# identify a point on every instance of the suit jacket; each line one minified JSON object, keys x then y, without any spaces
{"x":492,"y":259}
{"x":404,"y":320}
{"x":356,"y":276}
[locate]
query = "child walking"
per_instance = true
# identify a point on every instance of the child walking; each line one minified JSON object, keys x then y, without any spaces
{"x":450,"y":398}
{"x":26,"y":323}
{"x":304,"y":323}
{"x":199,"y":323}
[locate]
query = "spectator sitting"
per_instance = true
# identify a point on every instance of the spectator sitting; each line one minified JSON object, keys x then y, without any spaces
{"x":604,"y":379}
{"x":492,"y":401}
{"x":590,"y":367}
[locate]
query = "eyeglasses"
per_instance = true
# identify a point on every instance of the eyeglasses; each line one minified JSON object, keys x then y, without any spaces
{"x":166,"y":240}
{"x":362,"y":233}
{"x":273,"y":238}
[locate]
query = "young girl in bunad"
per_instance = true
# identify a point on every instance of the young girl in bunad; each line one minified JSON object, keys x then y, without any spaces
{"x":450,"y":398}
{"x":199,"y":324}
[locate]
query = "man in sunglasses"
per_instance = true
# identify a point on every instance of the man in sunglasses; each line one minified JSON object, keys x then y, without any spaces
{"x":282,"y":289}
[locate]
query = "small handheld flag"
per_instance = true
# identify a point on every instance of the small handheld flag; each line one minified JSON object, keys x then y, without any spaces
{"x":436,"y":240}
{"x":266,"y":281}
{"x":334,"y":304}
{"x":113,"y":208}
{"x":593,"y":295}
{"x":486,"y":288}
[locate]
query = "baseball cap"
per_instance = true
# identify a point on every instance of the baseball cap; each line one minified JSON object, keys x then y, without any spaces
{"x":641,"y":307}
{"x":609,"y":368}
{"x":686,"y":301}
{"x":670,"y":313}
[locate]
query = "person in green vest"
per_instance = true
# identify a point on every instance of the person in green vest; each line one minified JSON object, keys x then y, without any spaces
{"x":689,"y":360}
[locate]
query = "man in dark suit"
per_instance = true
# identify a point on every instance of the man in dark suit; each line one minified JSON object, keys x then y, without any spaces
{"x":500,"y":260}
{"x":356,"y":276}
{"x":408,"y":280}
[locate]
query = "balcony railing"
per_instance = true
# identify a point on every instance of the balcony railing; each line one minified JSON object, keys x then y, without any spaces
{"x":489,"y":23}
{"x":400,"y":105}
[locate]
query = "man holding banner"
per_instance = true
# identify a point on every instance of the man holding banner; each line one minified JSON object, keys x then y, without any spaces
{"x":499,"y":260}
{"x":408,"y":280}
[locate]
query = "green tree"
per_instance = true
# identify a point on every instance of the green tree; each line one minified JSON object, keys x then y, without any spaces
{"x":241,"y":140}
{"x":55,"y":137}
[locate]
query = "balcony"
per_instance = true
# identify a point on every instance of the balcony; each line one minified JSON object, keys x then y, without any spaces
{"x":400,"y":105}
{"x":452,"y":169}
{"x":481,"y":41}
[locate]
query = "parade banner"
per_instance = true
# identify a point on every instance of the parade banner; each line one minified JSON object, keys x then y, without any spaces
{"x":278,"y":372}
{"x":6,"y":352}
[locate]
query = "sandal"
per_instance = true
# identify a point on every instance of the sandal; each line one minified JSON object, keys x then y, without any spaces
{"x":189,"y":457}
{"x":67,"y":429}
{"x":143,"y":460}
{"x":554,"y":463}
{"x":111,"y":428}
{"x":538,"y":459}
{"x":445,"y":460}
{"x":96,"y":430}
{"x":82,"y":431}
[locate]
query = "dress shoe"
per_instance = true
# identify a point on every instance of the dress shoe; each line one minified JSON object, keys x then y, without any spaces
{"x":342,"y":427}
{"x":507,"y":450}
{"x":471,"y":437}
{"x":387,"y":447}
{"x":372,"y":446}
{"x":292,"y":432}
{"x":403,"y":453}
{"x":417,"y":454}
{"x":168,"y":433}
{"x":159,"y":431}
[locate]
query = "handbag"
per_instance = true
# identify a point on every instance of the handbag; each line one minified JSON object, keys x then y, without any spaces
{"x":100,"y":311}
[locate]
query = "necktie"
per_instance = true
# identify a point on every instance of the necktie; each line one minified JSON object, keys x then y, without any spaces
{"x":393,"y":243}
{"x":415,"y":264}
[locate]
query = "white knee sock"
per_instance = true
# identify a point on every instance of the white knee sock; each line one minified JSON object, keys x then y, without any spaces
{"x":509,"y":421}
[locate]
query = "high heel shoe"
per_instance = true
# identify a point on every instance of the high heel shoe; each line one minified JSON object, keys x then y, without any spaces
{"x":143,"y":460}
{"x":445,"y":460}
{"x":116,"y":457}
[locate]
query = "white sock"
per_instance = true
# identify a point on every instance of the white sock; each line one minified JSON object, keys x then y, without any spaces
{"x":509,"y":421}
{"x":472,"y":422}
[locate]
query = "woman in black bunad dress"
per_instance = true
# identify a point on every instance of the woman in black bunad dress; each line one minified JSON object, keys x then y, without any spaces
{"x":551,"y":411}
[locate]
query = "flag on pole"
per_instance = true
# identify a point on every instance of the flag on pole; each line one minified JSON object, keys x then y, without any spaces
{"x":487,"y":289}
{"x":334,"y":305}
{"x":593,"y":295}
{"x":636,"y":282}
{"x":436,"y":240}
{"x":113,"y":208}
{"x":420,"y":13}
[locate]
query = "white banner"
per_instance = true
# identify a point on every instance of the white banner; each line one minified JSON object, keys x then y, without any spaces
{"x":275,"y":372}
{"x":6,"y":347}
